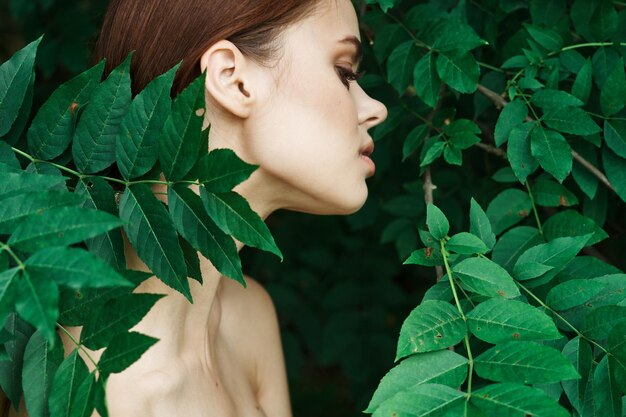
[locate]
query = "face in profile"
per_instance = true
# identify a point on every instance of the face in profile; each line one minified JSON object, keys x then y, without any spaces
{"x":308,"y":129}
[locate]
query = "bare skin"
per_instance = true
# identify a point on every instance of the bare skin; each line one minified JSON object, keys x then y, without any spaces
{"x":306,"y":125}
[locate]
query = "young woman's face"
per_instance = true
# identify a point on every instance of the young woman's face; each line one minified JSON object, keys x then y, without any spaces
{"x":309,"y":131}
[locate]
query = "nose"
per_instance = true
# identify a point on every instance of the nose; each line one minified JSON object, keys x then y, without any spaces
{"x":371,"y":112}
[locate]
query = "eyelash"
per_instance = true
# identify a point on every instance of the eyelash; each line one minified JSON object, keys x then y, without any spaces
{"x":347,"y":75}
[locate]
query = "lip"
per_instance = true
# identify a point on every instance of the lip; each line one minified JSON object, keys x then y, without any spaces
{"x":365,"y":153}
{"x":370,"y":164}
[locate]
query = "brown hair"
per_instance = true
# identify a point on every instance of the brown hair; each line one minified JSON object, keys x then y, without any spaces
{"x":164,"y":32}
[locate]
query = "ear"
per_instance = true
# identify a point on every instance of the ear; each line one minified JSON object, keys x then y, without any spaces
{"x":228,"y":78}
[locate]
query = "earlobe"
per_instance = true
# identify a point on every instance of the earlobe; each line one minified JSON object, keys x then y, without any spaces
{"x":228,"y":78}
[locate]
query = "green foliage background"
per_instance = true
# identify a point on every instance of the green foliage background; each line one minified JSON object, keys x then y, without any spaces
{"x":465,"y":83}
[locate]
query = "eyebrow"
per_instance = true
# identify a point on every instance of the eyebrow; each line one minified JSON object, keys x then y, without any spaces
{"x":353,"y":40}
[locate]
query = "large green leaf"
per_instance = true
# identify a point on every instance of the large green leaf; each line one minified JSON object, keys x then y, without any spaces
{"x":552,"y":194}
{"x":427,"y":400}
{"x":511,"y":116}
{"x":432,"y":325}
{"x":61,"y":226}
{"x":613,"y":94}
{"x":459,"y":70}
{"x":570,"y":119}
{"x":525,"y":362}
{"x":441,"y":367}
{"x":573,"y":293}
{"x":115,"y":317}
{"x":507,"y":399}
{"x":37,"y":303}
{"x":195,"y":225}
{"x":11,"y":370}
{"x":426,"y":80}
{"x":15,"y":76}
{"x":151,"y":232}
{"x":451,"y":34}
{"x":52,"y":128}
{"x":607,"y":395}
{"x":485,"y":277}
{"x":93,"y":145}
{"x":552,"y":152}
{"x":579,"y":354}
{"x":615,"y":169}
{"x":582,"y":84}
{"x":400,"y":65}
{"x":480,"y":225}
{"x":181,"y":137}
{"x":599,"y":322}
{"x":466,"y":244}
{"x":124,"y":350}
{"x":137,"y":148}
{"x":572,"y":223}
{"x":615,"y":136}
{"x":9,"y":282}
{"x":108,"y":246}
{"x":523,"y":163}
{"x":14,"y":135}
{"x":513,"y":243}
{"x":65,"y":384}
{"x":617,"y":347}
{"x":221,"y":170}
{"x":437,"y":222}
{"x":550,"y":99}
{"x":233,"y":215}
{"x":19,"y":207}
{"x":507,"y":209}
{"x":499,"y":320}
{"x":83,"y":403}
{"x":22,"y":182}
{"x":74,"y":268}
{"x":40,"y":363}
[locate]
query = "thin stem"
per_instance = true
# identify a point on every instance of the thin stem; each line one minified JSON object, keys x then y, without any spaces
{"x":585,"y":45}
{"x":78,"y":345}
{"x":17,"y":260}
{"x":491,"y":67}
{"x":532,"y":202}
{"x":563,"y":319}
{"x":470,"y":357}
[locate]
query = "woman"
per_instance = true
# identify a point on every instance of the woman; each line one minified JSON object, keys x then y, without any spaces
{"x":280,"y":93}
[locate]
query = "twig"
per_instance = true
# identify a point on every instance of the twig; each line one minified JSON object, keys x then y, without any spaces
{"x":500,"y":102}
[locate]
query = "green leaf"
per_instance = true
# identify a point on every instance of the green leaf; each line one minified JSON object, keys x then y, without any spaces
{"x":434,"y":149}
{"x":462,"y":133}
{"x":513,"y":243}
{"x":573,"y":293}
{"x":617,"y":346}
{"x":9,"y":282}
{"x":387,"y":38}
{"x":582,"y":84}
{"x":83,"y":403}
{"x":587,"y":182}
{"x":93,"y":146}
{"x":603,"y":23}
{"x":546,"y":37}
{"x":22,"y":182}
{"x":530,"y":270}
{"x":115,"y":317}
{"x":19,"y":333}
{"x":511,"y":116}
{"x":551,"y":99}
{"x":507,"y":209}
{"x":14,"y":210}
{"x":480,"y":225}
{"x":572,"y":120}
{"x":612,"y":96}
{"x":425,"y":257}
{"x":499,"y":320}
{"x":428,"y":400}
{"x":606,"y":392}
{"x":615,"y":169}
{"x":41,"y":361}
{"x":551,"y":194}
{"x":192,"y":260}
{"x":195,"y":225}
{"x":437,"y":222}
{"x":400,"y":65}
{"x":109,"y":246}
{"x":233,"y":215}
{"x":485,"y":277}
{"x":426,"y":80}
{"x":137,"y":146}
{"x":37,"y":303}
{"x":508,"y":399}
{"x":452,"y":155}
{"x":61,"y":226}
{"x":451,"y":34}
{"x":466,"y":243}
{"x":552,"y":152}
{"x":432,"y":325}
{"x":579,"y":354}
{"x":124,"y":350}
{"x":17,"y":128}
{"x":65,"y":384}
{"x":525,"y":362}
{"x":385,"y":5}
{"x":519,"y":155}
{"x":572,"y":223}
{"x":459,"y":70}
{"x":414,"y":139}
{"x":441,"y":367}
{"x":181,"y":137}
{"x":599,"y":322}
{"x":150,"y":230}
{"x":74,"y":268}
{"x":15,"y":76}
{"x":222,"y":170}
{"x":51,"y":131}
{"x":615,"y":136}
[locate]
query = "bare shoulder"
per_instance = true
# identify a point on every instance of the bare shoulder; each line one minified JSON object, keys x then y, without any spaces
{"x":251,"y":315}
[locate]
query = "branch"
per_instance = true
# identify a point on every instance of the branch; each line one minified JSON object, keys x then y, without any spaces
{"x":500,"y":102}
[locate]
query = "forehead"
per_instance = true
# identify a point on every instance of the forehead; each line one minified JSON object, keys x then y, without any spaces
{"x":331,"y":21}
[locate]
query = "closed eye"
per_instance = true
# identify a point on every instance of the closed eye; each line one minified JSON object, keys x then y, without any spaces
{"x":346,"y":75}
